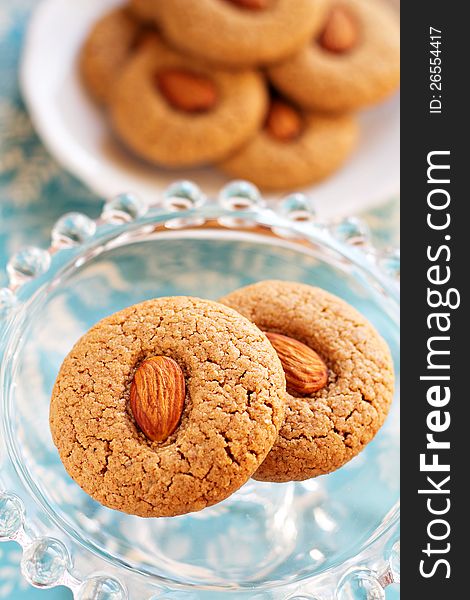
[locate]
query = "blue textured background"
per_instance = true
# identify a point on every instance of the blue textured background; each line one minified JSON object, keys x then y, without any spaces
{"x":34,"y":192}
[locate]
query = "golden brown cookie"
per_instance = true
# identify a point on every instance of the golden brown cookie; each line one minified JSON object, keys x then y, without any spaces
{"x":325,"y":429}
{"x":239,"y":32}
{"x":106,"y":49}
{"x":145,"y":10}
{"x":294,"y":148}
{"x":353,"y":62}
{"x":233,"y":407}
{"x":175,"y":111}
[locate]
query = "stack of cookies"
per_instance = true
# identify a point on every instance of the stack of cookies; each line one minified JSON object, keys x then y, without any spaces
{"x":264,"y":89}
{"x":171,"y":405}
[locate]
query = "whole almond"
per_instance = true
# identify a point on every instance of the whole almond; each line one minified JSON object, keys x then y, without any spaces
{"x":283,"y":123}
{"x":341,"y":31}
{"x":157,"y":397}
{"x":252,"y":4}
{"x":305,"y":371}
{"x":187,"y":91}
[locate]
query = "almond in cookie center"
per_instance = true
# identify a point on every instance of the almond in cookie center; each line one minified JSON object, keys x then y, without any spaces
{"x":284,"y":123}
{"x":157,"y":397}
{"x":252,"y":4}
{"x":341,"y":31}
{"x":186,"y":90}
{"x":305,"y":371}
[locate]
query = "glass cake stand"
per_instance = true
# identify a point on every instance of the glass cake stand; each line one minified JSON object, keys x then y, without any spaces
{"x":331,"y":537}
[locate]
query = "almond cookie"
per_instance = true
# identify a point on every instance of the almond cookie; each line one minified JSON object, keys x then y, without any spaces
{"x":339,"y":376}
{"x":106,"y":49}
{"x":239,"y":32}
{"x":353,"y":62}
{"x":175,"y":111}
{"x":203,"y":382}
{"x":294,"y":148}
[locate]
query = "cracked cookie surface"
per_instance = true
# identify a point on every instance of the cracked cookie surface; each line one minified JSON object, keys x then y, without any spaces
{"x":234,"y":407}
{"x":323,"y":431}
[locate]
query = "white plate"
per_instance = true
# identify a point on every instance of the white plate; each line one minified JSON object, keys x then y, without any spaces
{"x":76,"y":133}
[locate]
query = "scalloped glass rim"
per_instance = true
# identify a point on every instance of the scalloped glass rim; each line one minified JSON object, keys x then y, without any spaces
{"x":312,"y":231}
{"x":110,"y":236}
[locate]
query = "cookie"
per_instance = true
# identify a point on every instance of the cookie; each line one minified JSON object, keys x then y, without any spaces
{"x":175,"y":111}
{"x":325,"y":429}
{"x":106,"y":49}
{"x":233,"y":407}
{"x":354,"y":62}
{"x":239,"y":32}
{"x":294,"y":148}
{"x":145,"y":10}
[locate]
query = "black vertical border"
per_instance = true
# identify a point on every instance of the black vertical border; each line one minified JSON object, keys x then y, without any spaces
{"x":423,"y":132}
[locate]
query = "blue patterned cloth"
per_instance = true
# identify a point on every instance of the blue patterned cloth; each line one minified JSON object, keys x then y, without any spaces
{"x":34,"y":192}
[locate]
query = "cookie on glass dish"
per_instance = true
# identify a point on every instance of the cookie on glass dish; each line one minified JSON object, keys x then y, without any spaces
{"x":168,"y":406}
{"x":294,"y":148}
{"x":175,"y":111}
{"x":353,"y":62}
{"x":339,"y":374}
{"x":238,"y":32}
